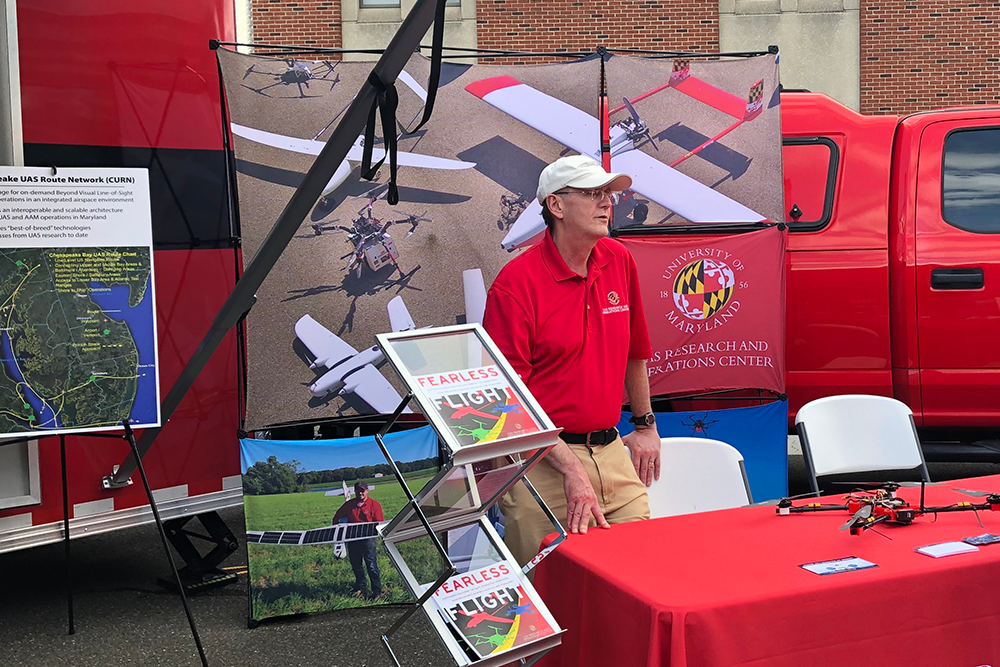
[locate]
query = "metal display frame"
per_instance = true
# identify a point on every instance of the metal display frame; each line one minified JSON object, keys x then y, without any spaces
{"x":529,"y":652}
{"x":412,"y":522}
{"x":460,"y":454}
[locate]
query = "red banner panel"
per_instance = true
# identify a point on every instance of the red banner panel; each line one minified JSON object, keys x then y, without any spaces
{"x":715,"y":309}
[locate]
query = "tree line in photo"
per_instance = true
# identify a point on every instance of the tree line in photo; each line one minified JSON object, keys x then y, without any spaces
{"x":273,"y":476}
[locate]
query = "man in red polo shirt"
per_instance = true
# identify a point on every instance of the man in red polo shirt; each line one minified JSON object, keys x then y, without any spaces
{"x":362,"y":553}
{"x":568,"y":316}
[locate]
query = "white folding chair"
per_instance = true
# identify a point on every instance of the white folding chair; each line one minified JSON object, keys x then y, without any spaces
{"x":698,"y":475}
{"x":858,"y":433}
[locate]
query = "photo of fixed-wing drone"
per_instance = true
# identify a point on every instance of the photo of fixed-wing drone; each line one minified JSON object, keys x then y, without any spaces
{"x":653,"y":179}
{"x":355,"y":154}
{"x":349,"y":371}
{"x":882,"y":505}
{"x":296,"y":73}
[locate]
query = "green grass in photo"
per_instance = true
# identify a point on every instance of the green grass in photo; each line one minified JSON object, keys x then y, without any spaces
{"x":301,"y":579}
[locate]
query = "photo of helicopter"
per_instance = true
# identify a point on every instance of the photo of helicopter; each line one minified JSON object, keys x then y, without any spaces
{"x":372,"y":244}
{"x":297,"y":73}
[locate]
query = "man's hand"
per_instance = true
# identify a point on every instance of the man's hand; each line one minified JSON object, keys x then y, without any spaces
{"x":581,"y":502}
{"x":644,"y":445}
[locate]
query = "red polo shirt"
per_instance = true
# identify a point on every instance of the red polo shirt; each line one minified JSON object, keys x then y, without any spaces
{"x":568,"y":336}
{"x":355,"y":512}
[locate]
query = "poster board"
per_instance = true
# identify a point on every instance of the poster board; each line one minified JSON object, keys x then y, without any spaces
{"x":467,"y":183}
{"x":78,"y":331}
{"x":303,"y":540}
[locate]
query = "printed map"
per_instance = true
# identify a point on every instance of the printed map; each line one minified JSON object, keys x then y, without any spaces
{"x":76,"y":336}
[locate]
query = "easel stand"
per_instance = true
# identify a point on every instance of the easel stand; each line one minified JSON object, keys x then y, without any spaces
{"x":69,"y":554}
{"x":130,"y":436}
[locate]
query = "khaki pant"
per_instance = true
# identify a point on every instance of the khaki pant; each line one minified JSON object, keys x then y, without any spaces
{"x":621,"y":494}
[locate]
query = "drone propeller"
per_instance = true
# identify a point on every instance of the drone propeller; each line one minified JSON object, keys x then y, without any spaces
{"x":641,"y":129}
{"x":886,"y":485}
{"x":863,"y":513}
{"x":776,"y":501}
{"x":976,"y":494}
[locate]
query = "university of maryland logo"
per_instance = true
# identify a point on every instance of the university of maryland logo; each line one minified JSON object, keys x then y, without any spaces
{"x":613,"y":298}
{"x":755,"y":101}
{"x":681,"y":71}
{"x":703,"y":288}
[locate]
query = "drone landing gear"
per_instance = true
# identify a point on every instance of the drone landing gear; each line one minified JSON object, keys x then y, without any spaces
{"x":201,"y":572}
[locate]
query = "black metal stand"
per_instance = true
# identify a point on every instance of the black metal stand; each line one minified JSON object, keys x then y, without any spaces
{"x":351,"y":125}
{"x":69,"y":556}
{"x":130,"y":436}
{"x":201,"y":572}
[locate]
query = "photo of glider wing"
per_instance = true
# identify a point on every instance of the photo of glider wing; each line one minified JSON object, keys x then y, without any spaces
{"x":341,"y":532}
{"x":651,"y":178}
{"x":355,"y":154}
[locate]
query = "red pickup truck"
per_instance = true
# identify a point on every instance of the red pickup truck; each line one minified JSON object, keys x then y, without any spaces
{"x":893,"y":262}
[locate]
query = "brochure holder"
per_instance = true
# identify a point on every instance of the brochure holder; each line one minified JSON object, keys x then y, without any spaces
{"x":492,"y":432}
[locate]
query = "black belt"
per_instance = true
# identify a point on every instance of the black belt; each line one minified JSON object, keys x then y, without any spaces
{"x":605,"y":437}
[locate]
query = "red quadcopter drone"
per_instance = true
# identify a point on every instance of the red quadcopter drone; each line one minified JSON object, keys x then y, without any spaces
{"x":880,"y":505}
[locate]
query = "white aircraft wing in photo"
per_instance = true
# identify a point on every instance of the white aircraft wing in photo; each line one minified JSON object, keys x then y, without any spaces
{"x":328,"y":348}
{"x":679,"y":192}
{"x":370,"y":385}
{"x":399,"y":316}
{"x":313,"y":147}
{"x":475,"y":295}
{"x":554,"y":118}
{"x":580,"y":131}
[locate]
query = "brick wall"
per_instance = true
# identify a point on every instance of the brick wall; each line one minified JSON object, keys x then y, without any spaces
{"x":306,"y":22}
{"x":581,"y":25}
{"x":927,"y":54}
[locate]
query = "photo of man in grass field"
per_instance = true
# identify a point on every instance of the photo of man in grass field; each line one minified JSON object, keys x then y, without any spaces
{"x":295,"y":494}
{"x":362,"y":553}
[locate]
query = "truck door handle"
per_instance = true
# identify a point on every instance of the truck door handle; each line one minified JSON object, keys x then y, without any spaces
{"x":957,"y":279}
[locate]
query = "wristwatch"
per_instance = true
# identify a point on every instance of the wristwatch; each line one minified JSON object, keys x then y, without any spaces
{"x":647,"y":419}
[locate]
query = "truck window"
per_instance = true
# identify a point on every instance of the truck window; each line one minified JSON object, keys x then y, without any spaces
{"x":971,"y":180}
{"x":810,"y":172}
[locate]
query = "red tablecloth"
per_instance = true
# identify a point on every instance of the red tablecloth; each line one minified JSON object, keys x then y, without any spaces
{"x":725,"y":588}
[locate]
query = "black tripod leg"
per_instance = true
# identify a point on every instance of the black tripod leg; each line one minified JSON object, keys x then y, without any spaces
{"x":163,"y":536}
{"x":69,"y":559}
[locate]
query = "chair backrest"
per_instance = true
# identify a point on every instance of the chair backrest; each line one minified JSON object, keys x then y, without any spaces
{"x":698,"y":475}
{"x":858,"y":433}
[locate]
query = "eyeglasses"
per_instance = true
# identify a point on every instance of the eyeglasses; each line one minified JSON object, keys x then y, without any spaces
{"x":595,"y":195}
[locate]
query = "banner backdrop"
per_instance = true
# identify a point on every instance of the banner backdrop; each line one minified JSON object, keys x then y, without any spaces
{"x":702,"y":141}
{"x":759,"y":432}
{"x":715,"y":310}
{"x":311,"y":546}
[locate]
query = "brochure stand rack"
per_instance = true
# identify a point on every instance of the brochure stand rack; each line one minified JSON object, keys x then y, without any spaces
{"x":479,"y":601}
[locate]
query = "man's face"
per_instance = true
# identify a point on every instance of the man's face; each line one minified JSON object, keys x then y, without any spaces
{"x":362,"y":495}
{"x":582,"y":213}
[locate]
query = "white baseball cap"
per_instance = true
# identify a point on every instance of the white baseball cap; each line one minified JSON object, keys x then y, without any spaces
{"x":578,"y":171}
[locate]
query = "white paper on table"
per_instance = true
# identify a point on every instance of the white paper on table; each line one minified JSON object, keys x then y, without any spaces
{"x":849,"y":564}
{"x":946,"y":549}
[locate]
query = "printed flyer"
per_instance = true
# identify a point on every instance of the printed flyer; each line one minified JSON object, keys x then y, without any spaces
{"x":489,"y":609}
{"x":478,"y":404}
